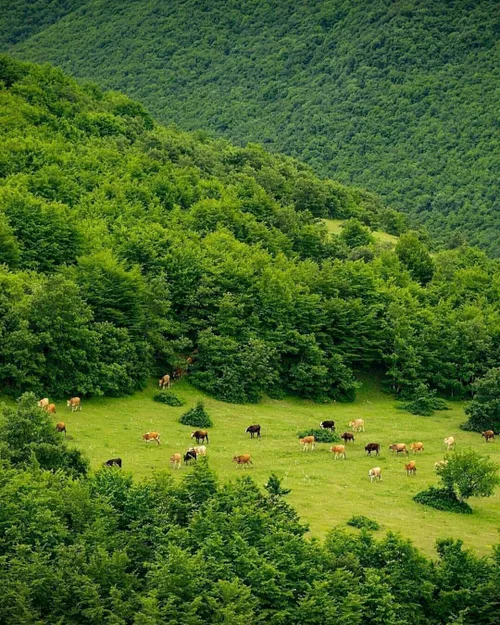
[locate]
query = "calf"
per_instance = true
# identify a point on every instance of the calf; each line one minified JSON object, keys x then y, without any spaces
{"x":399,"y":448}
{"x":417,"y":447}
{"x":339,"y":451}
{"x":61,"y":427}
{"x":375,"y":474}
{"x":243,"y":461}
{"x":489,"y":435}
{"x":308,"y":441}
{"x":372,"y":447}
{"x":176,"y":461}
{"x":411,"y":468}
{"x":200,"y":435}
{"x":449,"y":442}
{"x":347,"y":436}
{"x":358,"y":425}
{"x":189,"y":455}
{"x":164,"y":382}
{"x":151,"y":436}
{"x":327,"y":425}
{"x":75,"y":403}
{"x":253,"y":430}
{"x":114,"y":462}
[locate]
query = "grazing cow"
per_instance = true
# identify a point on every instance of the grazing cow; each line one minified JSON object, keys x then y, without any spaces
{"x":51,"y":409}
{"x":200,"y":451}
{"x":114,"y":462}
{"x":372,"y":447}
{"x":200,"y":435}
{"x":253,"y":430}
{"x":308,"y":441}
{"x":61,"y":427}
{"x":164,"y":382}
{"x":327,"y":425}
{"x":375,"y":474}
{"x":177,"y":373}
{"x":339,"y":451}
{"x":489,"y":435}
{"x":347,"y":436}
{"x":43,"y":403}
{"x":75,"y":403}
{"x":176,"y":461}
{"x":243,"y":461}
{"x":189,"y":455}
{"x":151,"y":436}
{"x":358,"y":425}
{"x":417,"y":447}
{"x":440,"y":464}
{"x":449,"y":442}
{"x":411,"y":468}
{"x":399,"y":448}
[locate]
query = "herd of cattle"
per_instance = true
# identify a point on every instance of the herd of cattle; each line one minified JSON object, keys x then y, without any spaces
{"x":307,"y":442}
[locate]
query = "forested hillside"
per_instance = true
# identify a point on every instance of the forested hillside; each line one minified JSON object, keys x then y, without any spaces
{"x":397,"y":97}
{"x":127,"y":246}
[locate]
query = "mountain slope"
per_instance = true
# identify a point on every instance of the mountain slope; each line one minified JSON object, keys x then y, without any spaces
{"x":397,"y":97}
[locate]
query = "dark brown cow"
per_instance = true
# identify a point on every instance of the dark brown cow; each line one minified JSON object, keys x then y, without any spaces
{"x":489,"y":435}
{"x":190,"y":455}
{"x":61,"y":427}
{"x":114,"y":462}
{"x":200,"y":435}
{"x":347,"y":436}
{"x":253,"y":430}
{"x":327,"y":425}
{"x":372,"y":447}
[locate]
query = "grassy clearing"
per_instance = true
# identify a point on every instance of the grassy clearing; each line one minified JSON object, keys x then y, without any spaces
{"x":324,"y":491}
{"x":335,"y":227}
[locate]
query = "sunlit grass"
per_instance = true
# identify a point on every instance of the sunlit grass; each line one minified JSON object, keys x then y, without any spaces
{"x":335,"y":227}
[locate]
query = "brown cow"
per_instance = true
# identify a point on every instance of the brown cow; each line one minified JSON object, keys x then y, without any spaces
{"x":372,"y":447}
{"x":75,"y":403}
{"x":51,"y":409}
{"x":489,"y":435}
{"x":176,"y":461}
{"x":347,"y":436}
{"x":339,"y":451}
{"x":43,"y":403}
{"x":200,"y":435}
{"x":399,"y":448}
{"x":417,"y":447}
{"x":61,"y":427}
{"x":308,"y":441}
{"x":243,"y":461}
{"x":411,"y":468}
{"x":151,"y":436}
{"x":164,"y":382}
{"x":253,"y":430}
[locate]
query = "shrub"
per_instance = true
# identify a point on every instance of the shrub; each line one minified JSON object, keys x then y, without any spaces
{"x":424,"y":403}
{"x":196,"y":417}
{"x":321,"y":436}
{"x":484,"y":410}
{"x":168,"y":397}
{"x":361,"y":521}
{"x":442,"y":499}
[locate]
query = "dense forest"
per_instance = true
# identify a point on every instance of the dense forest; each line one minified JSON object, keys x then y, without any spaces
{"x":127,"y":246}
{"x":399,"y":97}
{"x":82,"y":549}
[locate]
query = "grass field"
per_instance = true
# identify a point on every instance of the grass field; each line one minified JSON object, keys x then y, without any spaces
{"x":325,"y":492}
{"x":335,"y":227}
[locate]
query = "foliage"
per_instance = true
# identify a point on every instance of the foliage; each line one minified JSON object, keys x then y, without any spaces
{"x":126,"y":245}
{"x":442,"y":499}
{"x":197,"y":417}
{"x":274,"y":487}
{"x":484,"y":409}
{"x":166,"y":396}
{"x":29,"y":437}
{"x":394,"y":97}
{"x":424,"y":403}
{"x":321,"y":435}
{"x":468,"y":474}
{"x":363,"y":522}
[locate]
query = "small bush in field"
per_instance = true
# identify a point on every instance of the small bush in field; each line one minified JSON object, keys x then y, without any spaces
{"x":321,"y":436}
{"x":168,"y":397}
{"x":361,"y":521}
{"x":197,"y":417}
{"x":442,"y":499}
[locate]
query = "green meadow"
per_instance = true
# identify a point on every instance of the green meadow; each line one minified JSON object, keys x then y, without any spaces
{"x":325,"y":491}
{"x":335,"y":226}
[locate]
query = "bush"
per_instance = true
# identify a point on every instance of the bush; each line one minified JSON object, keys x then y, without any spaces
{"x":197,"y":417}
{"x":424,"y":403}
{"x":442,"y":499}
{"x":321,"y":436}
{"x":166,"y":396}
{"x":361,"y":521}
